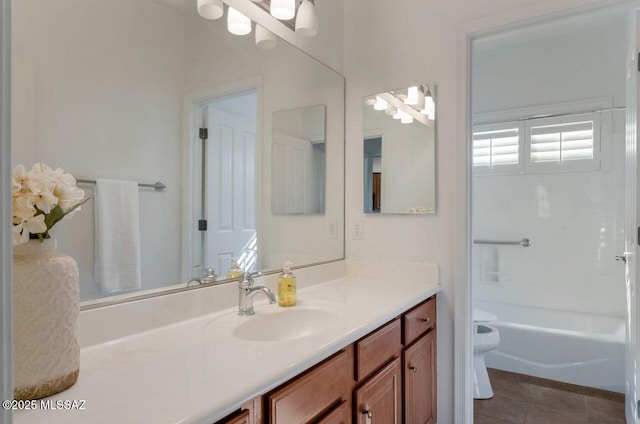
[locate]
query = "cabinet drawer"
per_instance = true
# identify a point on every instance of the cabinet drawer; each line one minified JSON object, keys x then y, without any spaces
{"x":242,"y":417}
{"x":309,"y":397}
{"x":377,"y":348}
{"x":418,"y":320}
{"x":341,"y":414}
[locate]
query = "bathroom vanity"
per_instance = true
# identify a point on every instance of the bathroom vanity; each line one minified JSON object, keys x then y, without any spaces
{"x":359,"y":342}
{"x":381,"y":378}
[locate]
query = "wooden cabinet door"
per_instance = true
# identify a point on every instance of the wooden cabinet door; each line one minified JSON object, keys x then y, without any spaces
{"x":419,"y":362}
{"x":379,"y":400}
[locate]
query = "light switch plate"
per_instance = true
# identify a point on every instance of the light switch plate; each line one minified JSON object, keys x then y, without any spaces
{"x":332,"y":229}
{"x":357,"y":229}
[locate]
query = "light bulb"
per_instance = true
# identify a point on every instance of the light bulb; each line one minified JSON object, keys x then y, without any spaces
{"x":283,"y":9}
{"x":210,"y":9}
{"x":307,"y":19}
{"x":398,"y":114}
{"x":412,"y":96}
{"x":237,"y":23}
{"x":380,"y":104}
{"x":406,"y":118}
{"x":265,"y":39}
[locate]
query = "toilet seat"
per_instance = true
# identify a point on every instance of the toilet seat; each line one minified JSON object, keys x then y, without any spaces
{"x":479,"y":315}
{"x":485,"y":338}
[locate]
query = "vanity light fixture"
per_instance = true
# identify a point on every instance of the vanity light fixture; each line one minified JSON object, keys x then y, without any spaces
{"x":265,"y":39}
{"x":391,"y":110}
{"x":307,"y":19}
{"x":380,"y":104}
{"x":405,"y":118}
{"x":305,"y":24}
{"x":210,"y":9}
{"x":283,"y":9}
{"x":398,"y":114}
{"x":237,"y":23}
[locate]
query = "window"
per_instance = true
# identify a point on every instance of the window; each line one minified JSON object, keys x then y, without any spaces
{"x":538,"y":145}
{"x":568,"y":143}
{"x":496,"y":149}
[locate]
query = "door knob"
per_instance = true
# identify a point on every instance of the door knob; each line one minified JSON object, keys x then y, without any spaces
{"x":621,"y":258}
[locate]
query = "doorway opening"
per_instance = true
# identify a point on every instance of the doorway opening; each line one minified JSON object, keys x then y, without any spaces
{"x":548,"y":161}
{"x":227,"y":155}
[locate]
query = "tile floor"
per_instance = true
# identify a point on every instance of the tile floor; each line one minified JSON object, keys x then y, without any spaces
{"x":521,"y":399}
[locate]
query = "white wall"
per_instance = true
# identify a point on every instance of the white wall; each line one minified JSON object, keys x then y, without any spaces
{"x":213,"y":57}
{"x":574,"y":219}
{"x":400,"y":44}
{"x":98,"y":93}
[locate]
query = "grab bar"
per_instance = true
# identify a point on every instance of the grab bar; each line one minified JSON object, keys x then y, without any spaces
{"x":525,"y":242}
{"x":157,"y":186}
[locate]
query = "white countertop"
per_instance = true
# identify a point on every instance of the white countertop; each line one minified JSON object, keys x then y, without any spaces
{"x":197,"y":371}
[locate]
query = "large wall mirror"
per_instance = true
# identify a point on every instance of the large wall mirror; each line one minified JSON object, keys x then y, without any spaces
{"x":120,"y":90}
{"x":400,"y":151}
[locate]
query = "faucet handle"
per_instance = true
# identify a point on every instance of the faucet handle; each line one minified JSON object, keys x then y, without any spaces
{"x":247,"y":277}
{"x":209,"y":273}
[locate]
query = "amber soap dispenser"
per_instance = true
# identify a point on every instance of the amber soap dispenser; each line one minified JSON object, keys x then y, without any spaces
{"x":287,"y":295}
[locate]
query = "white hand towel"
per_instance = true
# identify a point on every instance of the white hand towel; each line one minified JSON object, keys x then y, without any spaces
{"x":117,"y":238}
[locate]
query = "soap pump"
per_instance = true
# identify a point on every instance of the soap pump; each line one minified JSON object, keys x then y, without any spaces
{"x":235,"y":271}
{"x":287,"y":286}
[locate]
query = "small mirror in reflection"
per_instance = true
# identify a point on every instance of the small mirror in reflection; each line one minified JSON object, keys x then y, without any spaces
{"x":298,"y":160}
{"x":399,"y":151}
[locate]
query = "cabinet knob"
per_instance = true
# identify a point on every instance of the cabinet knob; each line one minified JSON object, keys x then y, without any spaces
{"x":413,"y":368}
{"x":425,"y":320}
{"x":368,"y":413}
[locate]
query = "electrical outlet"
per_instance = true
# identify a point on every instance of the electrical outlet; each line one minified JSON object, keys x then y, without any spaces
{"x":357,"y":230}
{"x":332,"y":229}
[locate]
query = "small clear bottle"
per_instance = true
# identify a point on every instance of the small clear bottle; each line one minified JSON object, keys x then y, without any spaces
{"x":287,"y":295}
{"x":235,"y":271}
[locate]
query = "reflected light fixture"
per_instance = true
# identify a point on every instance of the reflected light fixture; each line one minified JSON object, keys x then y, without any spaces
{"x":412,"y":96}
{"x":429,"y":105}
{"x":307,"y":19}
{"x":398,"y":114}
{"x":380,"y":104}
{"x":370,"y":100}
{"x":283,"y":9}
{"x":406,"y":118}
{"x":237,"y":23}
{"x":391,"y":110}
{"x":265,"y":39}
{"x":210,"y":9}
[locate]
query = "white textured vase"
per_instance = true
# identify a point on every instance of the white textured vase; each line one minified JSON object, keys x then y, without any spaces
{"x":46,"y":306}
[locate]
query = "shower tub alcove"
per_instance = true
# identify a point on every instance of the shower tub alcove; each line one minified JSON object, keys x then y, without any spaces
{"x":571,"y":347}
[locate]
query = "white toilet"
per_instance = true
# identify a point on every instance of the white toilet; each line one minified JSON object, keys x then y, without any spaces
{"x":485,"y":338}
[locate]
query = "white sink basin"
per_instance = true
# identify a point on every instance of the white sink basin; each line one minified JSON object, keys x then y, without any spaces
{"x":287,"y":324}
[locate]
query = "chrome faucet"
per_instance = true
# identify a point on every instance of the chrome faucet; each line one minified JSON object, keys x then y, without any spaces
{"x":209,"y":276}
{"x":247,"y":293}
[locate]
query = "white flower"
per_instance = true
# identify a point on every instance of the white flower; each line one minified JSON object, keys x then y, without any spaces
{"x":35,"y":194}
{"x":17,"y":177}
{"x":33,"y":225}
{"x":24,"y":206}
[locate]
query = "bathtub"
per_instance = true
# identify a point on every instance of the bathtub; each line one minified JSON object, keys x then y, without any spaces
{"x":565,"y":346}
